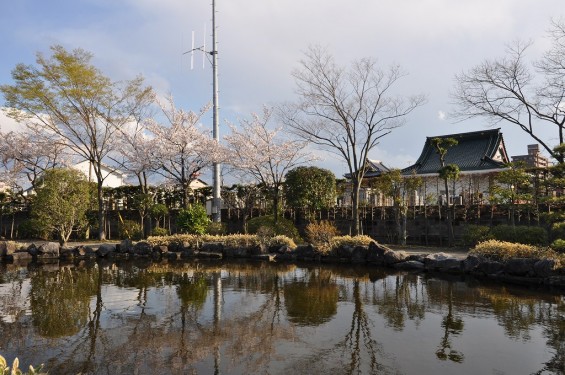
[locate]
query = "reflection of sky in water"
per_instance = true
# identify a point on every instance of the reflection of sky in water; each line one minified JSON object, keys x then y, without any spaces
{"x":405,"y":324}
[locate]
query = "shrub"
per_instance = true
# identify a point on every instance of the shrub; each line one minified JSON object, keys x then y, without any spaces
{"x":283,"y":227}
{"x":502,"y":250}
{"x":474,"y":234}
{"x":158,"y":231}
{"x":193,"y":220}
{"x":558,"y":230}
{"x":130,"y":229}
{"x":339,"y":241}
{"x":558,"y":245}
{"x":321,"y":233}
{"x":33,"y":228}
{"x":280,"y":241}
{"x":216,"y":228}
{"x":520,"y":234}
{"x":233,"y":240}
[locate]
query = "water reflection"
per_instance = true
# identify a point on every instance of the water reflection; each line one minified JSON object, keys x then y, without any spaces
{"x":144,"y":317}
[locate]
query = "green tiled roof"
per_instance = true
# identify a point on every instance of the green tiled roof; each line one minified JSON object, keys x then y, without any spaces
{"x":475,"y":151}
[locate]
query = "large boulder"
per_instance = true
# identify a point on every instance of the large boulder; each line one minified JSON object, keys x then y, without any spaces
{"x":106,"y":249}
{"x":392,"y":257}
{"x":409,"y":265}
{"x":143,"y":249}
{"x":490,"y":267}
{"x":545,"y":267}
{"x":442,"y":262}
{"x":49,"y":250}
{"x":212,"y":247}
{"x":376,"y":252}
{"x":471,"y":263}
{"x":7,"y":248}
{"x":520,"y":266}
{"x":359,"y":254}
{"x":125,"y":247}
{"x":85,"y":252}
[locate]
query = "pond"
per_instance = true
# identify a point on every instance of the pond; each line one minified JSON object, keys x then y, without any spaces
{"x":268,"y":318}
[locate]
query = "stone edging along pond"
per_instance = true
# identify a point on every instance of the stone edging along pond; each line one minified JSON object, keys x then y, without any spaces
{"x":525,"y":271}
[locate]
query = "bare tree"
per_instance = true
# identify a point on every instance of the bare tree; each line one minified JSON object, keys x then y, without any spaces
{"x":67,"y":99}
{"x":347,"y":111}
{"x":264,"y":154}
{"x":508,"y":90}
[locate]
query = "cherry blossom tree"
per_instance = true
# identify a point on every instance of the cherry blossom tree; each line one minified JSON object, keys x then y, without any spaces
{"x":265,"y":154}
{"x":24,"y":157}
{"x":182,"y":148}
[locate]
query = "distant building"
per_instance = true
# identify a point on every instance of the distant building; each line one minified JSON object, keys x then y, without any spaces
{"x":113,"y":178}
{"x":534,"y":158}
{"x":480,"y":155}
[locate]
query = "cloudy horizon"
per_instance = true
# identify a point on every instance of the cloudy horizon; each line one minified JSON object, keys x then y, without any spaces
{"x":260,"y":43}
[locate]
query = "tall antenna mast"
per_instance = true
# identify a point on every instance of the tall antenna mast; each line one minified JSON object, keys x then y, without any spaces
{"x":216,"y":200}
{"x":216,"y":197}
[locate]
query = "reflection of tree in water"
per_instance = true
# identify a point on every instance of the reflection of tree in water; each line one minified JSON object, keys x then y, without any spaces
{"x":60,"y":300}
{"x":311,"y":302}
{"x":398,"y":298}
{"x":452,"y":325}
{"x":358,"y":351}
{"x":519,"y":314}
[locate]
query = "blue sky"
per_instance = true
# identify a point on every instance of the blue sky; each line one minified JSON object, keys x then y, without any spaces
{"x":261,"y":41}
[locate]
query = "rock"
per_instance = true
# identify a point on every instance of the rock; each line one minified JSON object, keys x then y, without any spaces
{"x":126,"y":246}
{"x":442,"y":262}
{"x":49,"y":250}
{"x":490,"y":267}
{"x":520,"y":266}
{"x":7,"y":248}
{"x":470,"y":263}
{"x":304,"y":251}
{"x":392,"y":257}
{"x":160,"y":249}
{"x":267,"y":257}
{"x":212,"y":247}
{"x":142,"y":248}
{"x":85,"y":251}
{"x":375,"y":253}
{"x":208,"y":255}
{"x":409,"y":265}
{"x":344,"y":251}
{"x":545,"y":267}
{"x":106,"y":249}
{"x":359,"y":254}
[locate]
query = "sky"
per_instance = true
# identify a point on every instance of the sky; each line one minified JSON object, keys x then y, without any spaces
{"x":260,"y":42}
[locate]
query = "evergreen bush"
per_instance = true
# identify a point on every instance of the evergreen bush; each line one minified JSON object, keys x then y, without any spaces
{"x":474,"y":234}
{"x":520,"y":234}
{"x":283,"y":227}
{"x":193,"y":220}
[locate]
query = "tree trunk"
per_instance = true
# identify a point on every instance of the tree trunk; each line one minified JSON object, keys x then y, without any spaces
{"x":101,"y":221}
{"x":355,"y":206}
{"x":449,"y":216}
{"x":276,"y":205}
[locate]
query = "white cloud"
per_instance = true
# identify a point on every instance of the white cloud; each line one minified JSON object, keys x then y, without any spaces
{"x":8,"y":124}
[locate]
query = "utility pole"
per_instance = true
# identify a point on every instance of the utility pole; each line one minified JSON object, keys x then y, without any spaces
{"x":216,"y":200}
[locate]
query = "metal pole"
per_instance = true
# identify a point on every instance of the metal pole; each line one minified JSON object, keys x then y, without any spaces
{"x":216,"y":202}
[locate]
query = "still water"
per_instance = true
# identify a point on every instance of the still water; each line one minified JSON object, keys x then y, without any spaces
{"x":262,"y":318}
